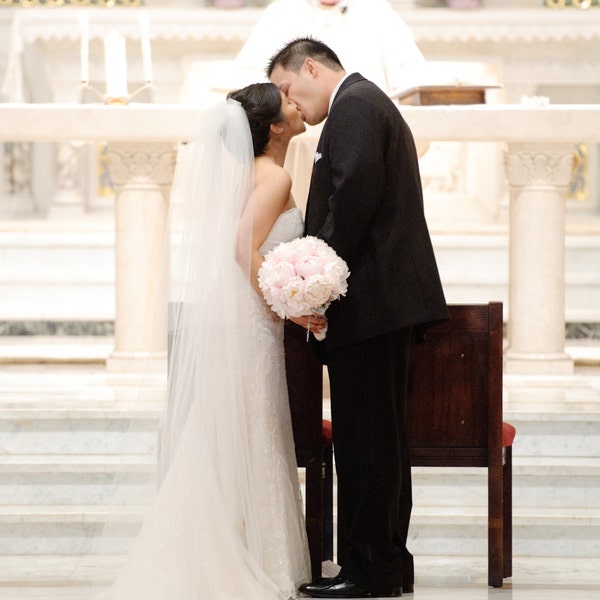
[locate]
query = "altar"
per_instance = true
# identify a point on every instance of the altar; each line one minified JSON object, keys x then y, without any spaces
{"x":532,"y":51}
{"x":492,"y":176}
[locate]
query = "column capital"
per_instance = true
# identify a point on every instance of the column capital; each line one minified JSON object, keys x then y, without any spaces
{"x":142,"y":163}
{"x":538,"y":164}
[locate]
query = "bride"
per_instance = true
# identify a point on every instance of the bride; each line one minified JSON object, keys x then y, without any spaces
{"x":226,"y":523}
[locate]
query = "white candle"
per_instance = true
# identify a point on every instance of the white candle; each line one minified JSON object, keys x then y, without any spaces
{"x":146,"y":51}
{"x":84,"y":25}
{"x":115,"y":65}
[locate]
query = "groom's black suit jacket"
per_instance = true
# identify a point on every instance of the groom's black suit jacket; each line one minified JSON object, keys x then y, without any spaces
{"x":365,"y":200}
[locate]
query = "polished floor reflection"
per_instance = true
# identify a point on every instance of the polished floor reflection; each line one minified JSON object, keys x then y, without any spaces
{"x":533,"y":579}
{"x":458,"y":578}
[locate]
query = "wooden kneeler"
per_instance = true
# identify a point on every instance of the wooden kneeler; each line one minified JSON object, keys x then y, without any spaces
{"x":454,"y":420}
{"x":455,"y":414}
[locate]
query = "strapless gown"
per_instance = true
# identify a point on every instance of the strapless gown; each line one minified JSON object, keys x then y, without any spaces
{"x":190,"y":547}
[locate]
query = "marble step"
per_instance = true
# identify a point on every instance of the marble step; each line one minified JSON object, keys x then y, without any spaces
{"x":473,"y":267}
{"x":68,"y":530}
{"x":70,"y":456}
{"x":75,"y":479}
{"x":78,"y":431}
{"x":556,"y":417}
{"x":578,"y":436}
{"x":548,"y":531}
{"x":46,"y":576}
{"x":52,"y":260}
{"x":552,"y":501}
{"x":543,"y":482}
{"x":451,"y":530}
{"x":62,"y":426}
{"x":90,"y":479}
{"x":73,"y":490}
{"x":100,"y":429}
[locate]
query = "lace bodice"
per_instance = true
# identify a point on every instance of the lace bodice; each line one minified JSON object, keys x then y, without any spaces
{"x":289,"y":226}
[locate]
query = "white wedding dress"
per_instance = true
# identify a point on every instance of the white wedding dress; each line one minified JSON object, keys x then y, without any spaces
{"x":218,"y":530}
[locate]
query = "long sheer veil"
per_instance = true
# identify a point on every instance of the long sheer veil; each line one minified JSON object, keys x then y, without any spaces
{"x":209,"y":258}
{"x":205,"y":483}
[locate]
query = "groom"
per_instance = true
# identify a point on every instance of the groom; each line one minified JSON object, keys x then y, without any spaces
{"x":365,"y":201}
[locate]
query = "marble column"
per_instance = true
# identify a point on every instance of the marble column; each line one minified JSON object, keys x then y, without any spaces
{"x":538,"y":175}
{"x":142,"y":174}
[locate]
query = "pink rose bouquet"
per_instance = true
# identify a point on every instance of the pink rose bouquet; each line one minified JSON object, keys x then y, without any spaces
{"x":302,"y":277}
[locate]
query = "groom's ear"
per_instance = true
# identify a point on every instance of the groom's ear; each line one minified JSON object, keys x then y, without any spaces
{"x":311,"y":67}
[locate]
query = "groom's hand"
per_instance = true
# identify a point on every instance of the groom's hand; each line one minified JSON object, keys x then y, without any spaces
{"x":314,"y":323}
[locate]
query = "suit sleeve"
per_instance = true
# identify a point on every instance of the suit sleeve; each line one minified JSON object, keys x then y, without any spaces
{"x":356,"y":145}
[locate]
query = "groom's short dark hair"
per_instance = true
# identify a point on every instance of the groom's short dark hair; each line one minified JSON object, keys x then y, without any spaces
{"x":292,"y":56}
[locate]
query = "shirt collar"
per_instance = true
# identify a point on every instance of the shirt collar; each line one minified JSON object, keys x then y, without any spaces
{"x":336,"y":89}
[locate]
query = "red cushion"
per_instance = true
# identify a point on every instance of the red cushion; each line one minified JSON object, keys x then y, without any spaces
{"x":508,"y":434}
{"x":327,"y":433}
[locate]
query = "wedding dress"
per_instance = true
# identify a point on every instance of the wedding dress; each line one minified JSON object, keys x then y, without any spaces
{"x":226,"y":522}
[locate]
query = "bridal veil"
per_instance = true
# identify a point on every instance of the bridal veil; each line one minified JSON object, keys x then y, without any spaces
{"x":200,"y":533}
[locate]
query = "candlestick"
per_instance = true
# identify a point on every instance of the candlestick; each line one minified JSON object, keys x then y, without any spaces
{"x":115,"y":65}
{"x":84,"y":25}
{"x":146,"y":49}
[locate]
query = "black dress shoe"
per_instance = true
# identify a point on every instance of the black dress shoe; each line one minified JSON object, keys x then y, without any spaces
{"x":337,"y":588}
{"x":317,"y":584}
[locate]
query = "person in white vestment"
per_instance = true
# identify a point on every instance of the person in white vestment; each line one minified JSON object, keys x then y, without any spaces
{"x":227,"y":523}
{"x":368,"y":36}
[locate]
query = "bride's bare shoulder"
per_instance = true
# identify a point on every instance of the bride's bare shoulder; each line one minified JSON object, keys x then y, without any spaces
{"x":272,"y":179}
{"x":270,"y":174}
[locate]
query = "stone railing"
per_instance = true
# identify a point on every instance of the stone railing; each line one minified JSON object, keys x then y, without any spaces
{"x":539,"y":143}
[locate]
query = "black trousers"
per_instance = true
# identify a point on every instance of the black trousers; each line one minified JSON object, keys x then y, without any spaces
{"x":369,"y":383}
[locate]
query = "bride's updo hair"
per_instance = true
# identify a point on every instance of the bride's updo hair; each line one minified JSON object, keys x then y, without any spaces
{"x":262,"y":103}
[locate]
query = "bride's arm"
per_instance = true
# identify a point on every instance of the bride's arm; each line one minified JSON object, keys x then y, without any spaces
{"x":271,"y":196}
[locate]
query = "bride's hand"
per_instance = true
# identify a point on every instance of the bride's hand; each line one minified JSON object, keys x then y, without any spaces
{"x":314,"y":323}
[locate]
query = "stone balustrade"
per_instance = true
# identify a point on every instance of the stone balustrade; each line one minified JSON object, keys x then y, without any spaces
{"x":539,"y":143}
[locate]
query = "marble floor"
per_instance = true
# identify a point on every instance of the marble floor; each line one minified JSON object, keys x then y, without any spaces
{"x":465,"y":578}
{"x":50,"y":375}
{"x":437,"y":578}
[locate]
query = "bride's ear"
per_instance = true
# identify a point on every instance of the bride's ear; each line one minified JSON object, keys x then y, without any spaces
{"x":277,"y":128}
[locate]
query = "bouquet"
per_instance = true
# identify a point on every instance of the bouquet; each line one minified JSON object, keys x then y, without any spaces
{"x":302,"y":277}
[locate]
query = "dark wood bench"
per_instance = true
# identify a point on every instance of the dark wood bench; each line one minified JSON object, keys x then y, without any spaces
{"x":454,"y":419}
{"x":455,"y":414}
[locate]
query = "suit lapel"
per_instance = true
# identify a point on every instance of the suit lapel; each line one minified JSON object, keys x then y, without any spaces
{"x":316,"y":206}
